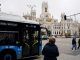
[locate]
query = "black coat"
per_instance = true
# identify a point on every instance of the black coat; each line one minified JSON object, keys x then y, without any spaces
{"x":73,"y":41}
{"x":50,"y":52}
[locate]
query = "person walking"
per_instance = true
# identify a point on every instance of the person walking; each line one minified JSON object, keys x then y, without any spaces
{"x":78,"y":43}
{"x":74,"y":43}
{"x":50,"y":50}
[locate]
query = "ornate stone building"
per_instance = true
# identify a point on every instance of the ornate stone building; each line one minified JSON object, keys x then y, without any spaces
{"x":56,"y":27}
{"x":45,"y":18}
{"x":65,"y":26}
{"x":69,"y":26}
{"x":31,"y":16}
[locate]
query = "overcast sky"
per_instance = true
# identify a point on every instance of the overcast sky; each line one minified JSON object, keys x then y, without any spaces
{"x":56,"y":7}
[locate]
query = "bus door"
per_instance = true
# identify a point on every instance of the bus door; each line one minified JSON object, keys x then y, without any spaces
{"x":33,"y":42}
{"x":31,"y":37}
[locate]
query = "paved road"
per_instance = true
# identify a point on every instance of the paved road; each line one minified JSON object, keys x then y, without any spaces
{"x":64,"y":45}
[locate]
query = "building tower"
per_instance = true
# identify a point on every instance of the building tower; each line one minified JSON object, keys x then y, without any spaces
{"x":44,"y":7}
{"x":45,"y":13}
{"x":45,"y":17}
{"x":62,"y":16}
{"x":33,"y":14}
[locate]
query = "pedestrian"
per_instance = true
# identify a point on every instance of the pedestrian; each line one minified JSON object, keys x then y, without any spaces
{"x":78,"y":43}
{"x":74,"y":43}
{"x":50,"y":50}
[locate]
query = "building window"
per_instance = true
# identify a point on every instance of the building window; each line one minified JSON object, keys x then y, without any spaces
{"x":46,"y":15}
{"x":59,"y":27}
{"x":68,"y":27}
{"x":55,"y":27}
{"x":45,"y":9}
{"x":55,"y":32}
{"x":59,"y":32}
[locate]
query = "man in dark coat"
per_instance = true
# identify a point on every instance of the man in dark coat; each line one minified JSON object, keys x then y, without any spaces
{"x":50,"y":50}
{"x":74,"y":43}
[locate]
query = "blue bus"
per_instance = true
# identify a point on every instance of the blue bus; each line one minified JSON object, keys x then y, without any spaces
{"x":19,"y":38}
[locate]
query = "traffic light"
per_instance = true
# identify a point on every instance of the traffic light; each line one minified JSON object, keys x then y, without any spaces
{"x":64,"y":17}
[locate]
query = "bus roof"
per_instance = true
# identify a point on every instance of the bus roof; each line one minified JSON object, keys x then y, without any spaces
{"x":15,"y":18}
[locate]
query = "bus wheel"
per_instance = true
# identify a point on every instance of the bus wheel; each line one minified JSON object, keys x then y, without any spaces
{"x":7,"y":56}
